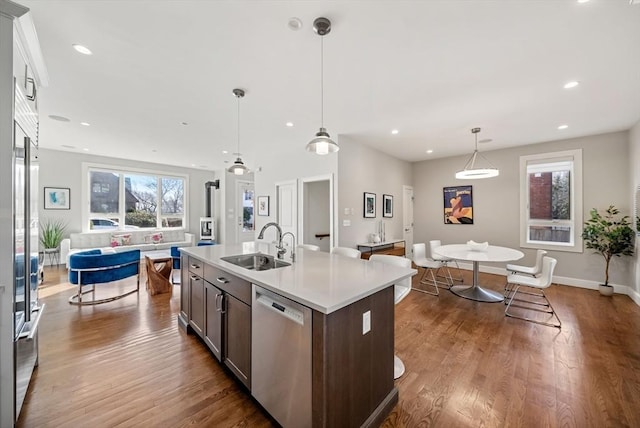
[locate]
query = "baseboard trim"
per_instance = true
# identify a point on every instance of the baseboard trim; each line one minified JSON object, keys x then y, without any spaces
{"x":564,"y":280}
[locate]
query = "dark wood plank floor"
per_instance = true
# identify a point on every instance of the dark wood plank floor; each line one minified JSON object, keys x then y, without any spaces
{"x":126,"y":364}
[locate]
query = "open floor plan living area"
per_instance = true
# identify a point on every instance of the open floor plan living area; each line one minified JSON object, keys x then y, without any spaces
{"x":419,"y":213}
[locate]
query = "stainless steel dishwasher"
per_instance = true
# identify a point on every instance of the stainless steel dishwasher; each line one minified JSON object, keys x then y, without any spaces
{"x":281,"y":357}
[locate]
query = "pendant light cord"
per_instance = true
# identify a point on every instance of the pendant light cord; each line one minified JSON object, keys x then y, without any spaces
{"x":322,"y":81}
{"x":238,"y":98}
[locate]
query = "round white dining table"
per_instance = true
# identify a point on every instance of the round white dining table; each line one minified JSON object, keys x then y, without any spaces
{"x":493,"y":253}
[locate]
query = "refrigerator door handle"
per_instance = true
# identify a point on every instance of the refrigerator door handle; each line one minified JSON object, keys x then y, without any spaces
{"x":34,"y":324}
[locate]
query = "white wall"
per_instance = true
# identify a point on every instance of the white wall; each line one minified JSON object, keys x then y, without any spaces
{"x":64,"y":169}
{"x":363,"y":169}
{"x":496,"y":200}
{"x":634,"y":174}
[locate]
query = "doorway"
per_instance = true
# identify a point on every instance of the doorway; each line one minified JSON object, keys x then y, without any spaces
{"x":245,"y":230}
{"x":316,"y":212}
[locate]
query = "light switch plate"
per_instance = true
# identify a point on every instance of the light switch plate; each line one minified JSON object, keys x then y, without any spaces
{"x":366,"y":322}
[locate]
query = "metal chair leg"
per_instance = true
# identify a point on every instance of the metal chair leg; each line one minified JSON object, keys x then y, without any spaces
{"x":432,"y":283}
{"x":552,"y":312}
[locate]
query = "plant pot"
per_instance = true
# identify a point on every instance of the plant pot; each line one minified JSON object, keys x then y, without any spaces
{"x":605,"y":290}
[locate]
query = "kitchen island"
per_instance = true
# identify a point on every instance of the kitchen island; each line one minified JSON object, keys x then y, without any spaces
{"x":342,"y":371}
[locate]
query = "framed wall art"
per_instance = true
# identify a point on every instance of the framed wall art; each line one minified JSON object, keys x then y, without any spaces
{"x":263,"y":205}
{"x":57,"y":198}
{"x":387,"y":206}
{"x":369,"y":205}
{"x":458,"y":205}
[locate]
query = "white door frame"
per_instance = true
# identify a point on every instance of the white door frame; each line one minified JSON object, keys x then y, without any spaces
{"x":301,"y":187}
{"x":407,"y":216}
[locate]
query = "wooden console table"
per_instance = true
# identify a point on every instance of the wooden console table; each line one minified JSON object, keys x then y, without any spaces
{"x":394,"y":247}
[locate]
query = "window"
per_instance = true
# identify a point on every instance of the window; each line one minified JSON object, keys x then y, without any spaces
{"x":134,"y":199}
{"x":551,"y":201}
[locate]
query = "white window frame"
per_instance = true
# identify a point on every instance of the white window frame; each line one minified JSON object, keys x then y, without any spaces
{"x":575,"y":157}
{"x":87,"y":168}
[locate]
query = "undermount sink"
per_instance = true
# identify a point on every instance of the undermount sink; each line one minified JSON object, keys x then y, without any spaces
{"x":256,"y":261}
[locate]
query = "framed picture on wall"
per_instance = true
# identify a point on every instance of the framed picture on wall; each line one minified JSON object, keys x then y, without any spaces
{"x":369,"y":205}
{"x":458,"y":205}
{"x":387,"y":206}
{"x":263,"y":205}
{"x":57,"y":198}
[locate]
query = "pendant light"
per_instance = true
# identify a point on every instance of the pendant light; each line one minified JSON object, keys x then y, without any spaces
{"x":238,"y":167}
{"x":471,"y":171}
{"x":322,"y":144}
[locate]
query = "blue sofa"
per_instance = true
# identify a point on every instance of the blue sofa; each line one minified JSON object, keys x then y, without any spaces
{"x":93,"y":267}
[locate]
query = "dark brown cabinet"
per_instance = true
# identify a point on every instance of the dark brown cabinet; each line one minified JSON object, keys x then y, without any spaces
{"x":237,"y":343}
{"x":214,"y":307}
{"x":197,"y":318}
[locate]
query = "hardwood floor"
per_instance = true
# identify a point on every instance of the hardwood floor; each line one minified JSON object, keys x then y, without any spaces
{"x":126,"y":364}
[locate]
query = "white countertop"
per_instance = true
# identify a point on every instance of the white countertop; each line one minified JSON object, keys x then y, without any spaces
{"x":322,"y":281}
{"x":381,"y":243}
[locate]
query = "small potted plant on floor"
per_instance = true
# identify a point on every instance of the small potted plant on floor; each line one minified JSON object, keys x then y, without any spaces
{"x":609,"y":235}
{"x":51,"y":234}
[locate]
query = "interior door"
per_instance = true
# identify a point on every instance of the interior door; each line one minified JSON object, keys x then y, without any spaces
{"x":407,"y":219}
{"x":245,"y":208}
{"x":287,"y":214}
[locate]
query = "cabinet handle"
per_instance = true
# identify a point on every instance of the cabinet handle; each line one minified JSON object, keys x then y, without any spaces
{"x":194,"y":266}
{"x":218,"y":303}
{"x":31,"y":97}
{"x":194,"y":278}
{"x":222,"y":301}
{"x":222,"y":280}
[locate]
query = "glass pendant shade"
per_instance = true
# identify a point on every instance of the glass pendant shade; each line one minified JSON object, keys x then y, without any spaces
{"x":322,"y":144}
{"x":238,"y":167}
{"x":471,"y":171}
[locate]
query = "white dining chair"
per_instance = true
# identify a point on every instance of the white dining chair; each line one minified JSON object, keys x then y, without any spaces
{"x":534,"y":270}
{"x":435,"y":243}
{"x":430,"y":267}
{"x":518,"y":280}
{"x":310,"y":247}
{"x":400,"y":291}
{"x":347,"y":252}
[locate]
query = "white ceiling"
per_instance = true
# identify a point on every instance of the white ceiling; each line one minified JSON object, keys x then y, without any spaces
{"x":431,"y":69}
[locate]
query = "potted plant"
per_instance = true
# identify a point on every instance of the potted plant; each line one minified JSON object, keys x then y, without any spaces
{"x":609,"y":235}
{"x":51,"y":234}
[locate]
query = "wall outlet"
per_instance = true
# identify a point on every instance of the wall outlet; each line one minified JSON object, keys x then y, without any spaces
{"x":346,"y":223}
{"x":366,"y":322}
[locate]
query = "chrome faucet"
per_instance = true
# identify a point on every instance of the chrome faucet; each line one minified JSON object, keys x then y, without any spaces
{"x":279,"y":246}
{"x":293,"y":244}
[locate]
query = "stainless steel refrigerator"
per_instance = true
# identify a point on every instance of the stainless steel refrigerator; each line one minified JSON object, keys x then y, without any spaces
{"x":27,"y":309}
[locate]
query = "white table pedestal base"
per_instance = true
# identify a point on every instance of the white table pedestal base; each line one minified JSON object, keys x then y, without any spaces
{"x":475,"y":292}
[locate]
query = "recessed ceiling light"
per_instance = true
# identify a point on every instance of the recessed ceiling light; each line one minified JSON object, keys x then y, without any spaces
{"x":289,"y":124}
{"x":193,"y":164}
{"x":224,"y":152}
{"x":85,"y":124}
{"x":571,"y":84}
{"x":394,"y":131}
{"x":563,"y":127}
{"x":85,"y":149}
{"x":294,"y":23}
{"x":429,"y":151}
{"x":59,"y":118}
{"x":583,"y":1}
{"x":82,"y":49}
